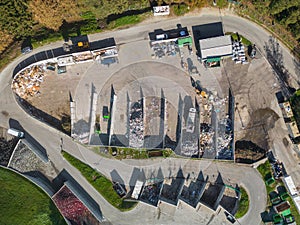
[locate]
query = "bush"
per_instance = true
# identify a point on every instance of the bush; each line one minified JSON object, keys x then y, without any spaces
{"x":180,"y":9}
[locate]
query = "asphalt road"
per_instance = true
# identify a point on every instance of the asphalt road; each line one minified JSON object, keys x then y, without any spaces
{"x":49,"y":138}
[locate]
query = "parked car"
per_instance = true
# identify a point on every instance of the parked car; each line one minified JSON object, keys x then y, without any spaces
{"x":16,"y":133}
{"x":26,"y":50}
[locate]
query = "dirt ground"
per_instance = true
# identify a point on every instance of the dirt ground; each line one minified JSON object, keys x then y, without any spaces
{"x":55,"y":93}
{"x":254,"y":87}
{"x":52,"y":103}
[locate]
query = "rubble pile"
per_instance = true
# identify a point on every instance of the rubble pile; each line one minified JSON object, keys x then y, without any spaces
{"x":152,"y":112}
{"x":27,"y":83}
{"x":151,"y":192}
{"x":216,"y":132}
{"x":136,"y":125}
{"x":206,"y":136}
{"x":153,"y":106}
{"x":83,"y":57}
{"x":224,"y":139}
{"x":224,"y":134}
{"x":190,"y":146}
{"x":164,"y":49}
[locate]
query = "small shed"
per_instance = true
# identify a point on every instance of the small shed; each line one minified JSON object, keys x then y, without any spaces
{"x":185,"y":41}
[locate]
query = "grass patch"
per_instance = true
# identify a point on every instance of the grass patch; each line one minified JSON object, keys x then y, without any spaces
{"x":123,"y":21}
{"x":180,"y":9}
{"x":128,"y":153}
{"x":234,"y":36}
{"x":167,"y":153}
{"x":10,"y":54}
{"x":265,"y":170}
{"x":103,"y":185}
{"x":222,"y":3}
{"x":295,"y":105}
{"x":294,"y":210}
{"x":22,"y":202}
{"x":133,"y":153}
{"x":243,"y":204}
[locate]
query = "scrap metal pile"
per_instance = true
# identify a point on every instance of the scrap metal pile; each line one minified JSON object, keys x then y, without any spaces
{"x":151,"y":192}
{"x":70,"y":206}
{"x":164,"y":49}
{"x":27,"y":83}
{"x":136,"y":125}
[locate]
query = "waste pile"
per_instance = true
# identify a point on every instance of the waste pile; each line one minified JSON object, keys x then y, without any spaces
{"x":189,"y":146}
{"x":136,"y":125}
{"x":206,"y":136}
{"x":27,"y":83}
{"x":216,"y":132}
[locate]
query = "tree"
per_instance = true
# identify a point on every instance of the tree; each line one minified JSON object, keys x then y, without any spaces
{"x":15,"y":19}
{"x":52,"y":13}
{"x":5,"y":40}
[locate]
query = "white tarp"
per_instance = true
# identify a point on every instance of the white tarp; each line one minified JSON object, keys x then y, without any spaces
{"x":297,"y":203}
{"x":290,"y":185}
{"x":137,"y":189}
{"x":217,"y":46}
{"x":161,"y":10}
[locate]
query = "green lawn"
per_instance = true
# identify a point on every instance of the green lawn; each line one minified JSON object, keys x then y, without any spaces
{"x":243,"y":204}
{"x":21,"y":202}
{"x":103,"y":185}
{"x":266,"y":171}
{"x":126,"y":20}
{"x":234,"y":36}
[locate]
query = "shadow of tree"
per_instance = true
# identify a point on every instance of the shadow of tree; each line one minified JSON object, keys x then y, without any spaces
{"x":297,"y":69}
{"x":275,"y":58}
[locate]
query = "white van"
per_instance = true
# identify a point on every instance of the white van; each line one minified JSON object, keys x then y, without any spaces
{"x":161,"y":37}
{"x":15,"y":132}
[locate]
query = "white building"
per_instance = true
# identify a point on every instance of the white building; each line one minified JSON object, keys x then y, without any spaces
{"x":215,"y":47}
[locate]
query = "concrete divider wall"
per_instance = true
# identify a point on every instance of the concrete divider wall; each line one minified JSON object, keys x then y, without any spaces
{"x":112,"y":113}
{"x":73,"y":112}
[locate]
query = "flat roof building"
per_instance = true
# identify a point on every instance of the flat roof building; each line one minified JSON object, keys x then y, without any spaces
{"x":215,"y":47}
